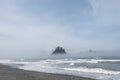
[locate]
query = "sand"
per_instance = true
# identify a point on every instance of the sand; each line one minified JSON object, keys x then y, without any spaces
{"x":9,"y":73}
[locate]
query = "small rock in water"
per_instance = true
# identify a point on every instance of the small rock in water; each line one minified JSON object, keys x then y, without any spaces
{"x":59,"y":50}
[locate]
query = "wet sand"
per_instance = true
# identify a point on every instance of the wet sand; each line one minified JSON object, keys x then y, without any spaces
{"x":9,"y":73}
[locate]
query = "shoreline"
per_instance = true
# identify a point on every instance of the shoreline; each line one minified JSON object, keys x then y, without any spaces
{"x":10,"y":73}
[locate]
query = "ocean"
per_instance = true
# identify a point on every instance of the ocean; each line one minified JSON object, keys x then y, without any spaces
{"x":97,"y":68}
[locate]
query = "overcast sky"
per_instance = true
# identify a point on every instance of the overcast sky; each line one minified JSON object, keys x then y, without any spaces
{"x":38,"y":26}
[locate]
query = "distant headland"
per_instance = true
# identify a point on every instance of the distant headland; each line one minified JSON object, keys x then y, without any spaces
{"x":59,"y":50}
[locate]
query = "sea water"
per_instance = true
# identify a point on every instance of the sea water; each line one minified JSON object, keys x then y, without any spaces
{"x":97,"y":68}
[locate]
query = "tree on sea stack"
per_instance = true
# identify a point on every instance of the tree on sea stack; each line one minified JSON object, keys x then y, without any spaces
{"x":59,"y":50}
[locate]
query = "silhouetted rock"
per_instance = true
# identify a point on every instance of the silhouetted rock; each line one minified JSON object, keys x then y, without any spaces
{"x":59,"y":50}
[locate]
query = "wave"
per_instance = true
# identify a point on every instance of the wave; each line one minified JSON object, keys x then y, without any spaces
{"x":9,"y":61}
{"x":68,"y":66}
{"x":5,"y":60}
{"x":60,"y":61}
{"x":82,"y":60}
{"x":93,"y":70}
{"x":97,"y":73}
{"x":105,"y":60}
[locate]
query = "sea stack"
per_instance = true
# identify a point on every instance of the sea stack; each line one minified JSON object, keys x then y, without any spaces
{"x":59,"y":50}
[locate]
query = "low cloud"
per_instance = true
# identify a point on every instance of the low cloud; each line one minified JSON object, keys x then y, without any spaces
{"x":24,"y":31}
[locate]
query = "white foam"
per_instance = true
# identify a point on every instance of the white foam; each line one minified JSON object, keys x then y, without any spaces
{"x":71,"y":64}
{"x":104,"y":60}
{"x":49,"y":66}
{"x":72,"y":61}
{"x":5,"y":60}
{"x":93,"y":70}
{"x":96,"y":73}
{"x":9,"y":61}
{"x":57,"y":61}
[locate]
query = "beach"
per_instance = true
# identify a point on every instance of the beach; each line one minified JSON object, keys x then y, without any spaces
{"x":10,"y":73}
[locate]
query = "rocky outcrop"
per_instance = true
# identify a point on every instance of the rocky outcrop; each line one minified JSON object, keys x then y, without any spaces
{"x":59,"y":50}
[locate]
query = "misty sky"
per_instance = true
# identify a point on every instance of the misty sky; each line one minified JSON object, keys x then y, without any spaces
{"x":38,"y":26}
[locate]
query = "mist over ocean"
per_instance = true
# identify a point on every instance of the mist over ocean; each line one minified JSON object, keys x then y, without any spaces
{"x":31,"y":29}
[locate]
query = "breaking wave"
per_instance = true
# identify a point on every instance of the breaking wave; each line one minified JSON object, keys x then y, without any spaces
{"x":68,"y":66}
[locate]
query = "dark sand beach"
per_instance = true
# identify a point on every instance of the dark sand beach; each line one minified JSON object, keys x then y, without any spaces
{"x":9,"y":73}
